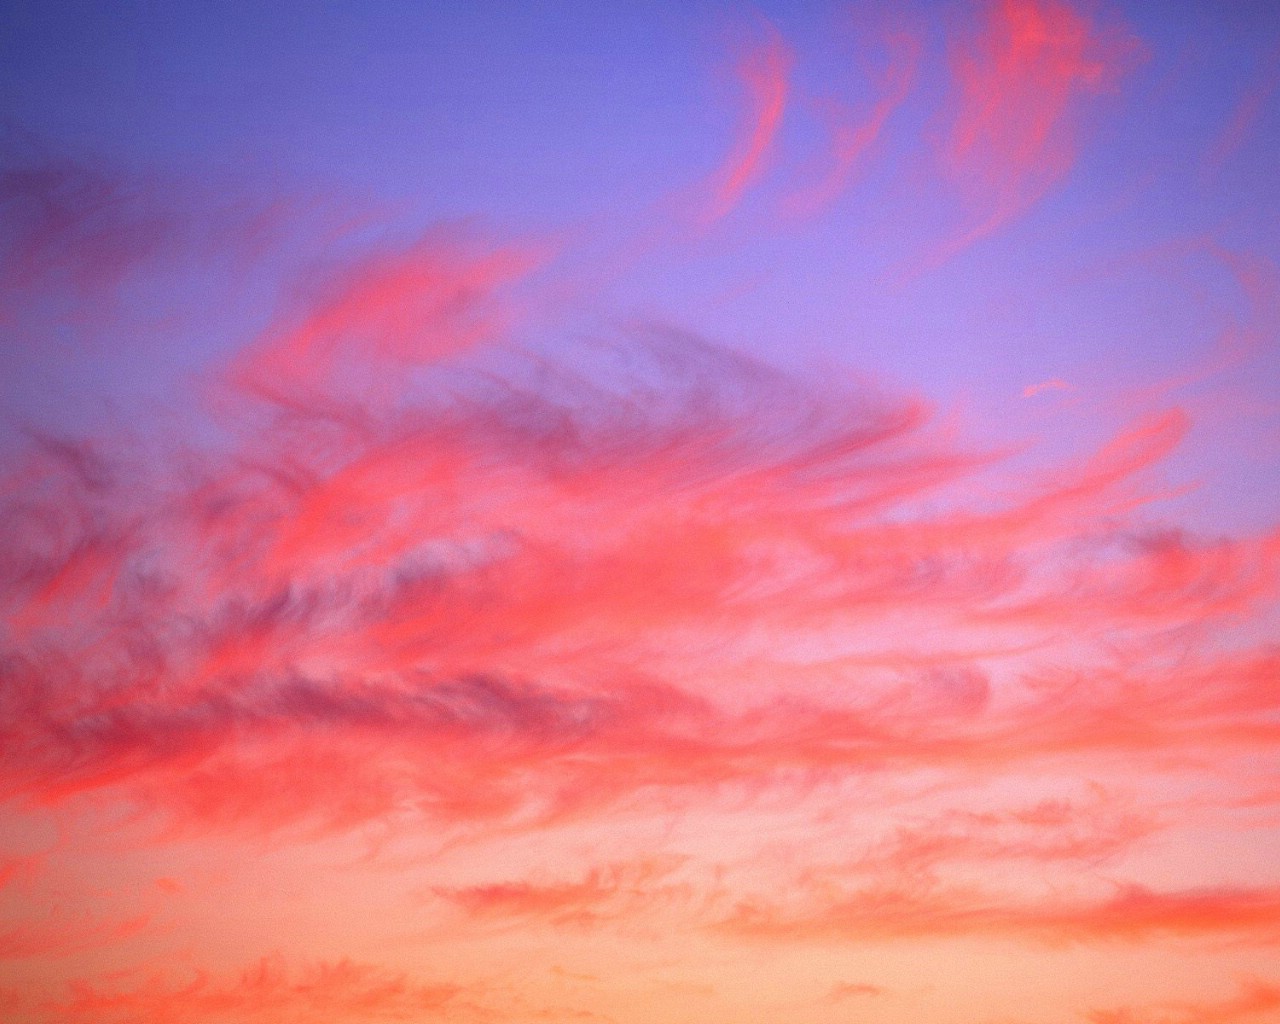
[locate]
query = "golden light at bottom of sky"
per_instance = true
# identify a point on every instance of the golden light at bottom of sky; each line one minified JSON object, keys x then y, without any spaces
{"x":685,"y":513}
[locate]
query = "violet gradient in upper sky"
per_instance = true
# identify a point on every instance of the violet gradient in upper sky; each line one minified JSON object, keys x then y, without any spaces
{"x":640,"y":513}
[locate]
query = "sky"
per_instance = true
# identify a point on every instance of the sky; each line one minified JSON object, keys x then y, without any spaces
{"x":642,"y":513}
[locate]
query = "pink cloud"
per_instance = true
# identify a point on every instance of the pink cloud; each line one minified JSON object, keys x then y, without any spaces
{"x":854,"y":134}
{"x":435,"y":630}
{"x":1249,"y":108}
{"x":1020,"y":83}
{"x":763,"y":72}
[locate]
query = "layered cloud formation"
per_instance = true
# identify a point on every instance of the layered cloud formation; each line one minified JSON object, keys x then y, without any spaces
{"x":415,"y":648}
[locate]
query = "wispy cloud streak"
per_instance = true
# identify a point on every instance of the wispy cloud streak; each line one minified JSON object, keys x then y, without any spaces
{"x":1019,"y":86}
{"x":441,"y":617}
{"x":763,"y":72}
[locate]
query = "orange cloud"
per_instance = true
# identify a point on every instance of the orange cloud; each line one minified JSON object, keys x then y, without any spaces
{"x":844,"y":990}
{"x":61,"y":933}
{"x":606,"y":894}
{"x":1256,"y":1001}
{"x":1133,"y":914}
{"x":270,"y":990}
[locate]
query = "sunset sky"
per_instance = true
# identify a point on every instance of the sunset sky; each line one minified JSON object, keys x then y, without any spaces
{"x":654,"y":513}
